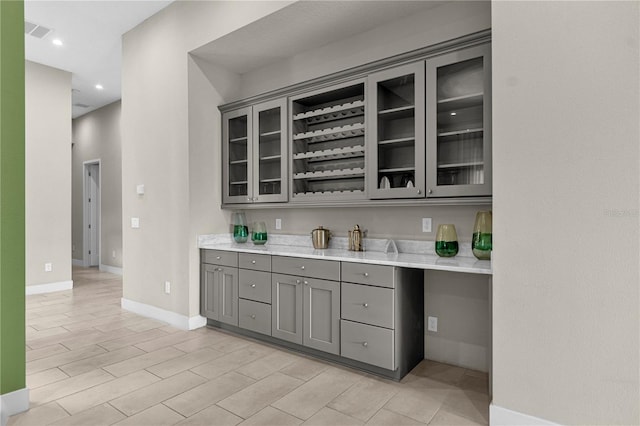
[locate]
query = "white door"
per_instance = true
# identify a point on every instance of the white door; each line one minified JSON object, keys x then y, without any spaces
{"x":92,"y":199}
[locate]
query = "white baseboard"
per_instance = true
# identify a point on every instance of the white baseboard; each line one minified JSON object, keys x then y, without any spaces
{"x":179,"y":321}
{"x":48,"y":288}
{"x":77,"y":262}
{"x":13,"y":403}
{"x":111,"y":269}
{"x":499,"y":416}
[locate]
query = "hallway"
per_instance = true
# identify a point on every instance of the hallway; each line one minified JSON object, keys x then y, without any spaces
{"x":91,"y":363}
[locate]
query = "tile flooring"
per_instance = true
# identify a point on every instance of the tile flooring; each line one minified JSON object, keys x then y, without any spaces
{"x":91,"y":363}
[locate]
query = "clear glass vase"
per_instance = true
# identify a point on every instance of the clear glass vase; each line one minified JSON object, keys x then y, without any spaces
{"x":481,"y":243}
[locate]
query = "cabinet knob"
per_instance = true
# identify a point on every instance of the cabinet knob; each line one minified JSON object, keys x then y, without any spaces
{"x":302,"y":267}
{"x":430,"y":191}
{"x":365,"y":344}
{"x":419,"y":192}
{"x":365,"y":305}
{"x":249,"y":199}
{"x":298,"y":281}
{"x":218,"y":269}
{"x":366,"y":274}
{"x":253,"y":317}
{"x":218,"y":257}
{"x":253,"y":262}
{"x":253,"y":286}
{"x":306,"y":282}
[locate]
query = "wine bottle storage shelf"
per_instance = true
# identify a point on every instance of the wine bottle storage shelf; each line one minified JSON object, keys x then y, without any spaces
{"x":335,"y":112}
{"x":347,"y":131}
{"x":331,"y":154}
{"x":328,"y":174}
{"x":346,"y":192}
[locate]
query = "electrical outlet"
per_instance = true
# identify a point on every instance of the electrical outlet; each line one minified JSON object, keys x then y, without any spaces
{"x":135,"y":222}
{"x":278,"y":223}
{"x":48,"y":267}
{"x":113,"y":254}
{"x":167,"y":287}
{"x":432,"y":324}
{"x":426,"y":224}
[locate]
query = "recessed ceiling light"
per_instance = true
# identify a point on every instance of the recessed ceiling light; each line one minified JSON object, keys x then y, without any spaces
{"x":57,"y":42}
{"x":99,"y":86}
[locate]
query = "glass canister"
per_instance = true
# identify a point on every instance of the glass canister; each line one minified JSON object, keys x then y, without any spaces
{"x":240,"y":228}
{"x":446,"y":240}
{"x":481,"y":243}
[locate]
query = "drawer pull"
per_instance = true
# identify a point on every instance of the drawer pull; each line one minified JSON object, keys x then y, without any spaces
{"x":253,"y":262}
{"x":218,"y":257}
{"x":366,"y":274}
{"x":253,"y":286}
{"x":365,"y":305}
{"x":365,"y":344}
{"x":252,"y":316}
{"x":302,"y":267}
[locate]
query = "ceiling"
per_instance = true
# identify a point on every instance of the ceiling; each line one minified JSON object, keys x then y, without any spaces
{"x":91,"y":33}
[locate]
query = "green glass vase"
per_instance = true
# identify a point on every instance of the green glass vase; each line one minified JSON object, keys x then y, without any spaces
{"x":446,"y":241}
{"x":240,"y":228}
{"x":481,"y":242}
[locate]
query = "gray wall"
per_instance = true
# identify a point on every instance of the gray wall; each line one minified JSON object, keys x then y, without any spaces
{"x":48,"y":174}
{"x":96,"y":136}
{"x":566,"y":102}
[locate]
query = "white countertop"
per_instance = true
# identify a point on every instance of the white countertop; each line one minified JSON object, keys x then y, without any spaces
{"x":285,"y":246}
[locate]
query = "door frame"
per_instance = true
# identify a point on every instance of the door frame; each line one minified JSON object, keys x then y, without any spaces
{"x":85,"y":211}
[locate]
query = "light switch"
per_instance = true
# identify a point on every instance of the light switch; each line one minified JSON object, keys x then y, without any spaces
{"x":140,"y":189}
{"x":135,"y":222}
{"x":426,"y":224}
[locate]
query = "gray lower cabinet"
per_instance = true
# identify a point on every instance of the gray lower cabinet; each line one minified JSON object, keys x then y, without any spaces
{"x":219,"y":286}
{"x":286,"y":307}
{"x":321,"y":310}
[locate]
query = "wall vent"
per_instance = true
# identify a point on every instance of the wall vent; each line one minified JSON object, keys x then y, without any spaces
{"x":36,"y":30}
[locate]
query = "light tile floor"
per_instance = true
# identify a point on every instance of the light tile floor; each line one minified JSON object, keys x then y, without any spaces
{"x":91,"y":363}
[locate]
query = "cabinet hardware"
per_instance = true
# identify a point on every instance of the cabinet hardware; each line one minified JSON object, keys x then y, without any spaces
{"x":430,"y":191}
{"x":253,"y":316}
{"x":306,"y":282}
{"x":298,"y":281}
{"x":365,"y":305}
{"x":366,"y":274}
{"x":253,"y":286}
{"x":302,"y":267}
{"x":218,"y":257}
{"x":365,"y":344}
{"x":419,"y":192}
{"x":253,"y":262}
{"x":249,"y":199}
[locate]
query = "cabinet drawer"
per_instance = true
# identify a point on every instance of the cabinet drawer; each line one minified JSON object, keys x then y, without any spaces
{"x":255,"y":285}
{"x":259,"y":262}
{"x":254,"y":316}
{"x":367,"y":304}
{"x":325,"y":269}
{"x":220,"y":257}
{"x":368,"y":344}
{"x":363,"y":273}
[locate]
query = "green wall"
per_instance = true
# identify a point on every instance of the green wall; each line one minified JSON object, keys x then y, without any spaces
{"x":12,"y":233}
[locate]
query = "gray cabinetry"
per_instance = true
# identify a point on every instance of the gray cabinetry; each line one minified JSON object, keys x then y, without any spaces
{"x":321,"y":310}
{"x":459,"y":123}
{"x":395,"y":127}
{"x":255,"y":153}
{"x":254,"y":289}
{"x":382,"y":320}
{"x":286,"y":307}
{"x":219,"y":286}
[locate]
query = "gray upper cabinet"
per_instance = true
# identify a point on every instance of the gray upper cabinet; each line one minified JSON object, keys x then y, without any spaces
{"x":321,"y":310}
{"x":458,"y":88}
{"x":327,"y":143}
{"x":254,"y":153}
{"x":395,"y":131}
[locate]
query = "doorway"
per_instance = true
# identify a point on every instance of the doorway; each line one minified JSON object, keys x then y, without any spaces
{"x":91,"y":213}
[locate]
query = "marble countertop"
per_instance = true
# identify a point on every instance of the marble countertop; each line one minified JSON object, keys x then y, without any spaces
{"x":402,"y":253}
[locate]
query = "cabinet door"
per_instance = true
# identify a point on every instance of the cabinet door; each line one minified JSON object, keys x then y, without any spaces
{"x":286,"y":307}
{"x":395,"y":124}
{"x":270,"y":151}
{"x":209,"y":292}
{"x":322,"y":315}
{"x":228,"y":295}
{"x":237,"y":154}
{"x":459,"y":123}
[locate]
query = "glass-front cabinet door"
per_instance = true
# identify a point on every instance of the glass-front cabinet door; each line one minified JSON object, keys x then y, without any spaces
{"x":269,"y":152}
{"x":395,"y":125}
{"x":254,"y":153}
{"x":458,"y":88}
{"x":236,"y":151}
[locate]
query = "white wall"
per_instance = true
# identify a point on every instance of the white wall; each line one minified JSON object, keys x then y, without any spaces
{"x":96,"y":135}
{"x":566,"y":198}
{"x":48,"y":174}
{"x":156,"y":151}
